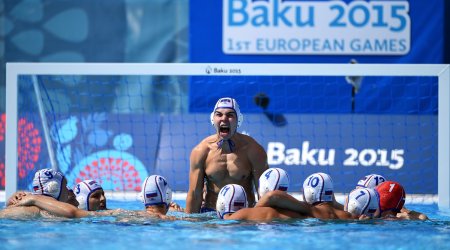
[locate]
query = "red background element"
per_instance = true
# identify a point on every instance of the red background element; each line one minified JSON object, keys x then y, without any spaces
{"x":123,"y":175}
{"x":29,"y":147}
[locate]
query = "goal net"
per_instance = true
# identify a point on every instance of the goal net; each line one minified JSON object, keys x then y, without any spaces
{"x":117,"y":123}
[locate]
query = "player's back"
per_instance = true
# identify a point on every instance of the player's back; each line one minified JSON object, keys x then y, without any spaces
{"x":326,"y":210}
{"x":264,"y":214}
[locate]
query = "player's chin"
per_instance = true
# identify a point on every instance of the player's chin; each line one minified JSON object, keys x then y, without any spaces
{"x":224,"y":135}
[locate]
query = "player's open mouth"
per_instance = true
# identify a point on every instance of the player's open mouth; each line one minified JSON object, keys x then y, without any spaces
{"x":224,"y":129}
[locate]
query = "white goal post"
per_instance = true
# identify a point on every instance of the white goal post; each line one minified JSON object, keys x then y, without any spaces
{"x":441,"y":71}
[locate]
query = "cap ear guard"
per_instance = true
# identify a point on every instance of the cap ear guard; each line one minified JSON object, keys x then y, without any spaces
{"x":211,"y":118}
{"x":308,"y":195}
{"x":52,"y":187}
{"x":168,"y":196}
{"x":140,"y":196}
{"x":352,"y":206}
{"x":228,"y":102}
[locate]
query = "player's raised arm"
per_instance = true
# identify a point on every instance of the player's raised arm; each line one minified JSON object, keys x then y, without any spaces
{"x":258,"y":159}
{"x":196,"y":179}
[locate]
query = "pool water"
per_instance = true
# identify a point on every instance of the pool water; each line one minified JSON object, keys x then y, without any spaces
{"x":211,"y":233}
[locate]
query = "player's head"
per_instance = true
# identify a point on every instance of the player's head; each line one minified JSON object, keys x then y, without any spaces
{"x":156,"y":191}
{"x":225,"y":105}
{"x":231,"y":198}
{"x":273,"y":179}
{"x":317,"y":188}
{"x":392,"y":196}
{"x":363,"y":201}
{"x":90,"y":195}
{"x":371,"y":181}
{"x":51,"y":183}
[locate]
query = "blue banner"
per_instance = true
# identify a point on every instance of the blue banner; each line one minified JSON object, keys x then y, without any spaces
{"x":402,"y":31}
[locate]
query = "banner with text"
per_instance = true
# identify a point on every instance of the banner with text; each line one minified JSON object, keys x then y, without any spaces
{"x":348,"y":147}
{"x":316,"y":31}
{"x":311,"y":27}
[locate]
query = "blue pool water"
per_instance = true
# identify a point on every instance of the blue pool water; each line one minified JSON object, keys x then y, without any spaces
{"x":211,"y":233}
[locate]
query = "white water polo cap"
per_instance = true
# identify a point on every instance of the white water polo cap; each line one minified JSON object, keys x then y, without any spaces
{"x":230,"y":103}
{"x":363,"y":201}
{"x":371,"y":181}
{"x":318,"y":187}
{"x":156,"y":191}
{"x":273,"y":179}
{"x":232,"y":197}
{"x":48,"y":182}
{"x":83,"y":191}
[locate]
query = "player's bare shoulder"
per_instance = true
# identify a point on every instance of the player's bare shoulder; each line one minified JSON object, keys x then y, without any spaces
{"x":202,"y":149}
{"x":252,"y":145}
